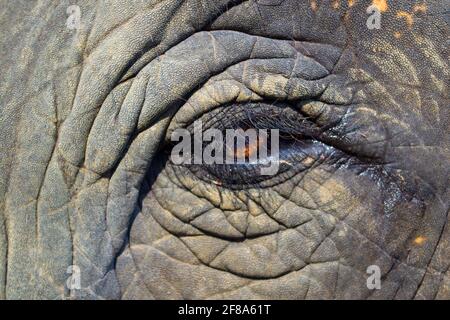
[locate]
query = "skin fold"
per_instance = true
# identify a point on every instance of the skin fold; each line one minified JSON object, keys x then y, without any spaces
{"x":86,"y":116}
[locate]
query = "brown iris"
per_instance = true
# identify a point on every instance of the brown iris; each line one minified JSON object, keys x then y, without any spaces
{"x":250,"y":149}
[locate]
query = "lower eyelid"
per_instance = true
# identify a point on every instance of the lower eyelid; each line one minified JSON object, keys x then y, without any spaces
{"x":291,"y":162}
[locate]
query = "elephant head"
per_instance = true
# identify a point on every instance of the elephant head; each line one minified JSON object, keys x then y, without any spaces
{"x":91,"y":93}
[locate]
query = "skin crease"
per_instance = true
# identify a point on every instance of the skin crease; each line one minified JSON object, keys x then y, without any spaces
{"x":86,"y":117}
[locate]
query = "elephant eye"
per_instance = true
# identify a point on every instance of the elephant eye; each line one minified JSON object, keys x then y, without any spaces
{"x":253,"y":145}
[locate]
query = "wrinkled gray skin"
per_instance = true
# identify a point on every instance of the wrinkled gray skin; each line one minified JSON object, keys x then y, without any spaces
{"x":85,"y":117}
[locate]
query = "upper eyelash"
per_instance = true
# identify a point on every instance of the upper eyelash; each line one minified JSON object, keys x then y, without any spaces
{"x":256,"y":117}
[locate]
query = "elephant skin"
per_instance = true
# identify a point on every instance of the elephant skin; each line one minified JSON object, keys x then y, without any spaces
{"x":88,"y":104}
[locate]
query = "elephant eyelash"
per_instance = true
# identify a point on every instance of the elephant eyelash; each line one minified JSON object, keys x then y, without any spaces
{"x":281,"y":116}
{"x":299,"y":144}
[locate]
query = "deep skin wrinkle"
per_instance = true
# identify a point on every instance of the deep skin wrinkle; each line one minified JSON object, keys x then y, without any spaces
{"x":86,"y":114}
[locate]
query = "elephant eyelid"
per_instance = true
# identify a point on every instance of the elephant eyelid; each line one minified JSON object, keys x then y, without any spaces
{"x":281,"y":116}
{"x":298,"y":146}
